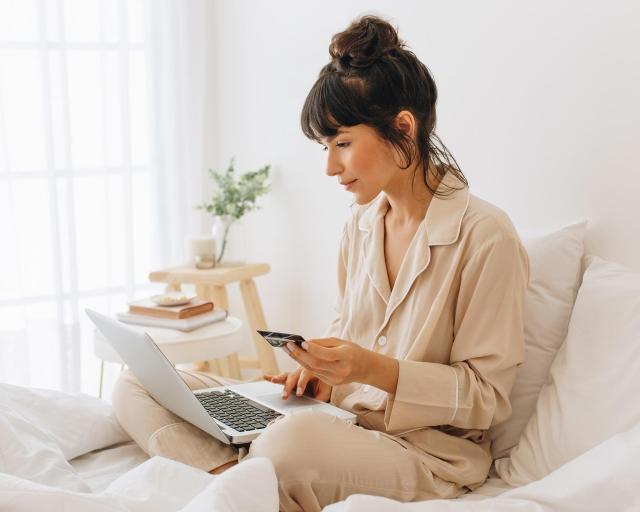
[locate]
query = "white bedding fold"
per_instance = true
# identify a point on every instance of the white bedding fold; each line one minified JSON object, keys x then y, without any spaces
{"x":40,"y":430}
{"x":157,"y":485}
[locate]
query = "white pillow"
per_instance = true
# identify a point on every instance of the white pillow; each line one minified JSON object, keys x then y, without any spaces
{"x":594,"y":387}
{"x":554,"y":277}
{"x":76,"y":422}
{"x":30,"y":453}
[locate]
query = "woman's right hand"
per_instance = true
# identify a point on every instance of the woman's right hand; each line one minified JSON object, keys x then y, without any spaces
{"x":297,"y":381}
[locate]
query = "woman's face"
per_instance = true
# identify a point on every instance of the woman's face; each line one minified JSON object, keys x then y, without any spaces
{"x":363,"y":162}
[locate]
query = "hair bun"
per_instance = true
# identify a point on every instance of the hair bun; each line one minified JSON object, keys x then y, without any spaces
{"x":364,"y":42}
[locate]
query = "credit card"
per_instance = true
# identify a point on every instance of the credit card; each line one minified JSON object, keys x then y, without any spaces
{"x":280,"y":339}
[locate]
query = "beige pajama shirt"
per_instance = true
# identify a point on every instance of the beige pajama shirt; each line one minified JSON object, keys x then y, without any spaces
{"x":454,"y":320}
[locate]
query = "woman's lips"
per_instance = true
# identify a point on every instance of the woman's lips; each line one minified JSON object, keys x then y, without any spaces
{"x":347,"y":185}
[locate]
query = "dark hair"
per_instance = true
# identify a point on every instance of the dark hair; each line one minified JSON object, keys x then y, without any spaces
{"x":372,"y":76}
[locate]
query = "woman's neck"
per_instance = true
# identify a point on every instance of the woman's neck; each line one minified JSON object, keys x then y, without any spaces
{"x":409,"y":197}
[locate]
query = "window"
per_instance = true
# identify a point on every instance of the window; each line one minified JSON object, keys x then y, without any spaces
{"x":75,"y":180}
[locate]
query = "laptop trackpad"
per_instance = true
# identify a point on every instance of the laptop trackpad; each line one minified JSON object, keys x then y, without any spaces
{"x":275,"y":401}
{"x":270,"y":394}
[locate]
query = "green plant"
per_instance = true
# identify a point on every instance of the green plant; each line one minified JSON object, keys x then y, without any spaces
{"x":233,"y":198}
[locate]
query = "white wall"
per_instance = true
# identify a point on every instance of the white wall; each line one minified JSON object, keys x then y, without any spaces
{"x":538,"y":101}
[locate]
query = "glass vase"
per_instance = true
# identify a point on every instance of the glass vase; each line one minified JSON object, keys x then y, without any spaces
{"x":229,"y":235}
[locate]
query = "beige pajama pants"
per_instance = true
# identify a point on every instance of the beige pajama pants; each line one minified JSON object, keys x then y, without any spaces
{"x":318,"y":458}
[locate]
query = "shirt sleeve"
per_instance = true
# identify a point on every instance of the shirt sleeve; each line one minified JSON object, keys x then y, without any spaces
{"x":333,"y":331}
{"x":472,"y":391}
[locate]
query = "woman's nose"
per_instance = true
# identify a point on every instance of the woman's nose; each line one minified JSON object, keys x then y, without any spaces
{"x":333,"y":165}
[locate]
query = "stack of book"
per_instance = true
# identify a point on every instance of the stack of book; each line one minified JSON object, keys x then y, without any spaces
{"x":186,"y":317}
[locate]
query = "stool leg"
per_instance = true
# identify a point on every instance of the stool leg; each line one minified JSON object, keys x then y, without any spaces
{"x":255,"y":315}
{"x":203,"y":291}
{"x":101,"y":378}
{"x":218,"y":295}
{"x":217,"y":367}
{"x":233,"y":363}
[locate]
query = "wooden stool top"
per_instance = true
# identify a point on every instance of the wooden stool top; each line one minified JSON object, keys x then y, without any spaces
{"x":221,"y":275}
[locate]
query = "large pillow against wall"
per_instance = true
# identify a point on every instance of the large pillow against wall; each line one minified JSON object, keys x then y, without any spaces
{"x":554,"y":277}
{"x":594,"y":389}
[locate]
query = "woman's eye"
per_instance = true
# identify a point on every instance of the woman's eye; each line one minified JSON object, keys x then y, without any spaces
{"x":338,"y":144}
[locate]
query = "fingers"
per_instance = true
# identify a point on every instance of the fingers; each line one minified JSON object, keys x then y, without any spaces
{"x":291,"y":381}
{"x":327,"y":342}
{"x":320,"y":391}
{"x":277,"y":379}
{"x":299,"y":380}
{"x":327,"y":378}
{"x":305,"y":359}
{"x":303,"y":381}
{"x":324,"y":353}
{"x":290,"y":384}
{"x":323,"y":391}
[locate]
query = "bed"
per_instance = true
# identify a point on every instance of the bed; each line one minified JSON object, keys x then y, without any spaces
{"x":572,"y":443}
{"x":113,"y":474}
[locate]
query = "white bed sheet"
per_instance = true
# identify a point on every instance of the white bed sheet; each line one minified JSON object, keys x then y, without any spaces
{"x":494,"y":486}
{"x":101,"y":467}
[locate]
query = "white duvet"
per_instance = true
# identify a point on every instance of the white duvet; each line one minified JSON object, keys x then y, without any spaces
{"x":40,"y":431}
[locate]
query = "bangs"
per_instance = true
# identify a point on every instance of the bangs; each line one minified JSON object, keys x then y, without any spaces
{"x":332,"y":102}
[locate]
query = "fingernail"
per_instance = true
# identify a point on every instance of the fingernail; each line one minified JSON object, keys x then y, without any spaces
{"x":286,"y":349}
{"x":290,"y":346}
{"x":305,"y":345}
{"x":299,"y":391}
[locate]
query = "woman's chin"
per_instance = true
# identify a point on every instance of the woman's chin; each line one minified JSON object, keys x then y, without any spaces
{"x":361,"y":199}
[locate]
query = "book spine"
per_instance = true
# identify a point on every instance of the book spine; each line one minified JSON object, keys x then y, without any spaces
{"x":137,"y":310}
{"x":160,"y":313}
{"x":205,"y":308}
{"x":180,"y":325}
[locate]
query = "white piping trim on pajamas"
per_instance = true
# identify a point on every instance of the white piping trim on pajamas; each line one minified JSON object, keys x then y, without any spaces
{"x":456,"y":408}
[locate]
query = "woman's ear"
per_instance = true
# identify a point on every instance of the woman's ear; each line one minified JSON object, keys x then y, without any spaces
{"x":406,"y":122}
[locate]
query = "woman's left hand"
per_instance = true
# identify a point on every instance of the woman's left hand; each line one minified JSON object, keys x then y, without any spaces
{"x":333,"y":360}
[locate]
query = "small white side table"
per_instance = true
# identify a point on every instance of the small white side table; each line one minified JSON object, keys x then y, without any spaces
{"x":213,"y":341}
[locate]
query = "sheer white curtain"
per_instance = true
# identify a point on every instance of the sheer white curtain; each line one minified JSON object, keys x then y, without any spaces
{"x":101,"y":163}
{"x":178,"y":63}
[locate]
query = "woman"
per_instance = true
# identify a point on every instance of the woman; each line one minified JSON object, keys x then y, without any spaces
{"x":429,"y":330}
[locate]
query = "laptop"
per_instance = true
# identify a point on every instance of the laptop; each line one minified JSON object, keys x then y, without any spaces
{"x":233,"y":414}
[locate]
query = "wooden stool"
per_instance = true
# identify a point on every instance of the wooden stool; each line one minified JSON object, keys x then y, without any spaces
{"x":211,"y":285}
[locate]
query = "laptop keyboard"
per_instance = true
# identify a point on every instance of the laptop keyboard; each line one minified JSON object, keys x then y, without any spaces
{"x":235,"y":410}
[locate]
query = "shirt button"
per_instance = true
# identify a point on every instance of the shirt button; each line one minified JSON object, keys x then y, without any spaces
{"x":382,"y":341}
{"x":366,"y":388}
